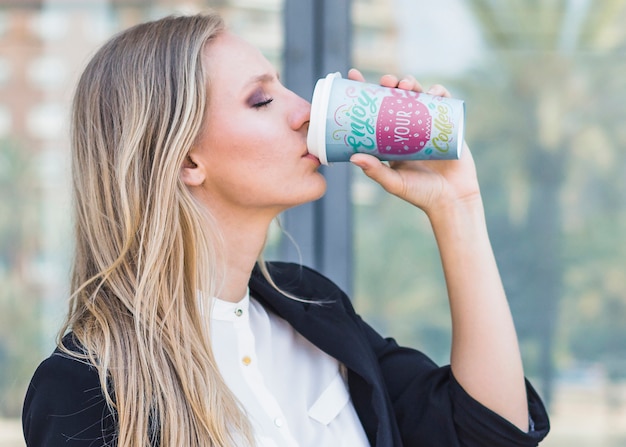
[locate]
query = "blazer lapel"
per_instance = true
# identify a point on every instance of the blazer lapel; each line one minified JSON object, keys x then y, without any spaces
{"x":324,"y":325}
{"x":330,"y":327}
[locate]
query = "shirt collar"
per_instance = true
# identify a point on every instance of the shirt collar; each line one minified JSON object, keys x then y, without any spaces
{"x":229,"y":311}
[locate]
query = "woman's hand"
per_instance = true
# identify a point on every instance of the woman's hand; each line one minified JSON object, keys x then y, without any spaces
{"x":485,"y":356}
{"x":431,"y":185}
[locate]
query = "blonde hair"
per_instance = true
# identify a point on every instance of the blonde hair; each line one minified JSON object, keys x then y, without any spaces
{"x":145,"y":249}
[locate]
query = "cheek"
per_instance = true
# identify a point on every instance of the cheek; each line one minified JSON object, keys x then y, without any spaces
{"x":246,"y":138}
{"x":241,"y":160}
{"x":244,"y":148}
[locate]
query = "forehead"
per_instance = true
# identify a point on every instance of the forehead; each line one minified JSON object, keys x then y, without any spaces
{"x":231,"y":58}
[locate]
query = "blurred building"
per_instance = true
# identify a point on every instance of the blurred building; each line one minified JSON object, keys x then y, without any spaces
{"x":43,"y":48}
{"x":45,"y":43}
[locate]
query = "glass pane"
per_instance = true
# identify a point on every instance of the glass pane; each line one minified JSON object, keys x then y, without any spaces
{"x":544,"y":89}
{"x":43,"y":47}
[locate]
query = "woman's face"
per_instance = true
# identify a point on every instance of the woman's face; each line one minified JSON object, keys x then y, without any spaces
{"x":252,"y":149}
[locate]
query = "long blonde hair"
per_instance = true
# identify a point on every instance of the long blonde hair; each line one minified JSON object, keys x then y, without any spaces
{"x":144,"y":246}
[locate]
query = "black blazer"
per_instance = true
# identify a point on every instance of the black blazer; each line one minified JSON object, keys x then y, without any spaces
{"x":402,"y":398}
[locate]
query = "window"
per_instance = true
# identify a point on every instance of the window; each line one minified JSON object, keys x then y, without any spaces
{"x":543,"y":85}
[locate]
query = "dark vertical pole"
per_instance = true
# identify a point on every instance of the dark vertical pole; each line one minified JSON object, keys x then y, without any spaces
{"x":318,"y":41}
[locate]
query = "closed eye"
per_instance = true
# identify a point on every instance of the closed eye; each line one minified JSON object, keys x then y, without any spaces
{"x":259,"y":98}
{"x":263,"y":103}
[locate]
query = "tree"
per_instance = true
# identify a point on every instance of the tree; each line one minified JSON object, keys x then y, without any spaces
{"x":19,"y":295}
{"x":541,"y":53}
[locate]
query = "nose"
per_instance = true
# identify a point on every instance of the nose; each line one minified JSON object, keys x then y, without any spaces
{"x":300,"y":114}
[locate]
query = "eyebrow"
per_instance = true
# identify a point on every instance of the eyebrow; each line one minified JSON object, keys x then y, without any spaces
{"x":265,"y":77}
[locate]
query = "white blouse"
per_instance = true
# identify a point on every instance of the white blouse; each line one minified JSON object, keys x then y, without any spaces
{"x":293,"y":393}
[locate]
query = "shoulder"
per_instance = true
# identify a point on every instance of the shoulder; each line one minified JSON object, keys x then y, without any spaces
{"x":64,"y":403}
{"x":65,"y":372}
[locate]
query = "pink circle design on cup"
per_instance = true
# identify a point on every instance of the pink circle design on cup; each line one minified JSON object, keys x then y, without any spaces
{"x":403,"y":125}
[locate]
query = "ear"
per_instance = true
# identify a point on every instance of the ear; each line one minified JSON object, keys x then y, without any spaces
{"x":192,"y":173}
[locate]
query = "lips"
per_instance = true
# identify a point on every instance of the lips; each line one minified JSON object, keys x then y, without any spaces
{"x":306,"y":153}
{"x":311,"y":156}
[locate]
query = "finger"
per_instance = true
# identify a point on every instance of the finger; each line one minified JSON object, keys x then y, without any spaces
{"x":389,"y":80}
{"x":410,"y":83}
{"x":355,"y":75}
{"x":378,"y":171}
{"x":439,"y":90}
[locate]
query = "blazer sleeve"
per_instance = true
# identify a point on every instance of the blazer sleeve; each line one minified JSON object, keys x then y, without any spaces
{"x":432,"y":409}
{"x":64,"y":405}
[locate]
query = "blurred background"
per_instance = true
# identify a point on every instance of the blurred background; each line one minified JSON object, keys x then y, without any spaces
{"x":545,"y":90}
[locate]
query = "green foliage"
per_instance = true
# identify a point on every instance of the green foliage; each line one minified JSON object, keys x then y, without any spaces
{"x":550,"y":149}
{"x":545,"y":121}
{"x":20,"y":303}
{"x":399,"y":281}
{"x":595,"y":313}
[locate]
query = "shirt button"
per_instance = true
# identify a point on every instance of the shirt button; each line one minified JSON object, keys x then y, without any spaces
{"x":246,"y":360}
{"x":239,"y":311}
{"x":278,"y":422}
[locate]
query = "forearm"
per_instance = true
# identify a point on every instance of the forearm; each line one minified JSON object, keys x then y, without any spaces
{"x":485,"y":353}
{"x":485,"y":356}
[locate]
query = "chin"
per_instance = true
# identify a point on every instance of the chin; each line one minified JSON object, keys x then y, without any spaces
{"x":314,"y":194}
{"x":322,"y":189}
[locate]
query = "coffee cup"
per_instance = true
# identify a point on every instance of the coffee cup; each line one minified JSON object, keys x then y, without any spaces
{"x":349,"y":117}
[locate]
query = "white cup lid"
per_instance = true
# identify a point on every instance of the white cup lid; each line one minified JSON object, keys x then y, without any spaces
{"x":316,"y":137}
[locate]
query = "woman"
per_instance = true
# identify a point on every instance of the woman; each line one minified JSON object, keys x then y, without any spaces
{"x":185,"y":148}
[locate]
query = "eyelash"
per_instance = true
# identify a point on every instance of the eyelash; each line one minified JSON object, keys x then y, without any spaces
{"x":263,"y":103}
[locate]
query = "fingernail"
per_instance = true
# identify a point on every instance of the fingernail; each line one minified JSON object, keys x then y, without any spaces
{"x":356,"y":162}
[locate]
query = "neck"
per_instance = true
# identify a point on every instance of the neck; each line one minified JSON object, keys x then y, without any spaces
{"x":244,"y":240}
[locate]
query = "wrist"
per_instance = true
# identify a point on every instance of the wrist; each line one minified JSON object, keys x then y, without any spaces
{"x":461,"y":210}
